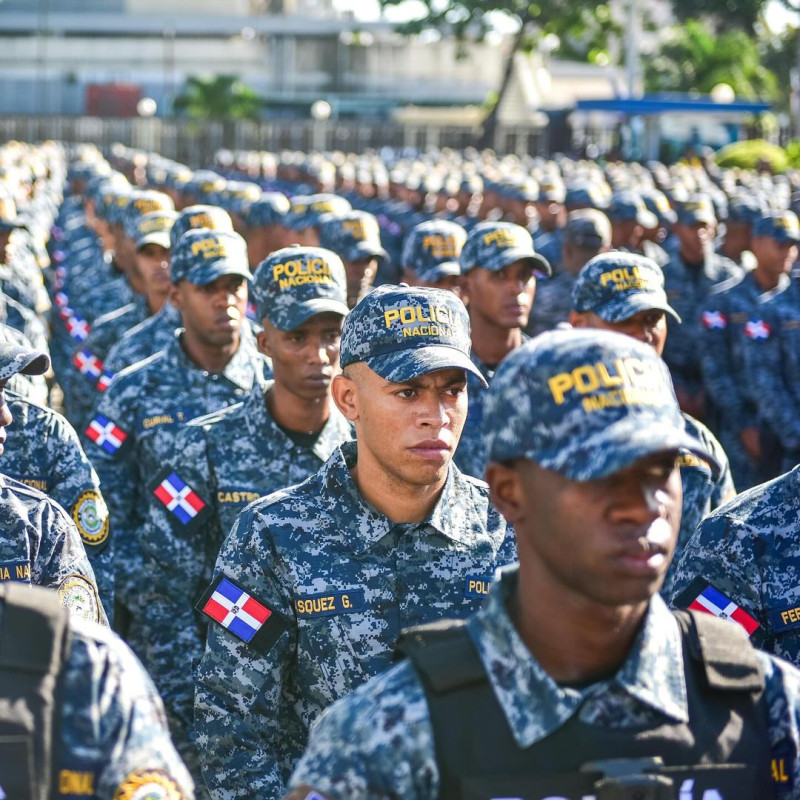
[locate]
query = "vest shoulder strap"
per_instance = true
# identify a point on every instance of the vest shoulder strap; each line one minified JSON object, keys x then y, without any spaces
{"x":443,"y":652}
{"x":729,"y":659}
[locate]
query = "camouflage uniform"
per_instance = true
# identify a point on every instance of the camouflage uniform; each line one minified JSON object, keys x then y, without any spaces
{"x":378,"y":742}
{"x":43,"y":451}
{"x":746,"y":550}
{"x":112,"y":738}
{"x":133,"y":431}
{"x":336,"y":617}
{"x":144,"y":340}
{"x":552,"y":303}
{"x":336,"y":578}
{"x":41,"y":545}
{"x":470,"y":456}
{"x":229,"y":459}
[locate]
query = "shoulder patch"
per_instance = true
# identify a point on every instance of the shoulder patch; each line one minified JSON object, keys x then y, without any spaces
{"x":90,"y":515}
{"x":242,"y":614}
{"x":104,"y":381}
{"x":88,"y":364}
{"x":79,"y":596}
{"x":701,"y":595}
{"x":179,"y":499}
{"x":150,"y":784}
{"x":714,"y":320}
{"x":757,"y":330}
{"x":106,"y":434}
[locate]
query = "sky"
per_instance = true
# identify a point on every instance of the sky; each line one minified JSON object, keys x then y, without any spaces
{"x":776,"y":14}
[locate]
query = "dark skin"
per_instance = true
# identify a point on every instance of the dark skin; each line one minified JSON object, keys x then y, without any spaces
{"x":407,"y":434}
{"x":304,"y":362}
{"x":5,"y":414}
{"x":591,"y":553}
{"x":152,"y":265}
{"x":212,"y":317}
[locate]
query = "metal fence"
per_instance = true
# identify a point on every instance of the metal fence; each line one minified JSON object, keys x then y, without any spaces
{"x":194,"y":143}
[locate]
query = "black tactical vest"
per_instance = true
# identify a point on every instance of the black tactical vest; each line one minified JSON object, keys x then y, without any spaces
{"x":34,"y":640}
{"x":721,"y":754}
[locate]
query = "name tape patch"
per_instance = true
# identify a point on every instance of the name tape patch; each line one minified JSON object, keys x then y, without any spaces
{"x":326,"y":604}
{"x":477,"y":585}
{"x":19,"y":570}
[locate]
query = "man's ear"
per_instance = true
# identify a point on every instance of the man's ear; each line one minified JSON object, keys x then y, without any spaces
{"x":577,"y":319}
{"x":344,"y":394}
{"x":175,"y":297}
{"x":505,"y":490}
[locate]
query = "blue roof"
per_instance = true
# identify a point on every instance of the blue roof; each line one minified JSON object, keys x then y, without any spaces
{"x":662,"y":103}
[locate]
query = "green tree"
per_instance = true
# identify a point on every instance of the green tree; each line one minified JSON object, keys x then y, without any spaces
{"x":218,"y":97}
{"x":582,"y":26}
{"x":695,"y":58}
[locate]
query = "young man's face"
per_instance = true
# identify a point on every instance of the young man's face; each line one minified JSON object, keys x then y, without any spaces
{"x":606,"y":541}
{"x":502,"y":297}
{"x":648,"y":326}
{"x":410,"y":430}
{"x":152,"y":264}
{"x":304,"y":360}
{"x":360,"y":274}
{"x":214,"y":312}
{"x":774,"y":258}
{"x":695,"y":240}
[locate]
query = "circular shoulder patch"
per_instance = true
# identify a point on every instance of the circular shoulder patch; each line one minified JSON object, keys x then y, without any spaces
{"x":148,"y":785}
{"x":90,"y":514}
{"x":79,"y":596}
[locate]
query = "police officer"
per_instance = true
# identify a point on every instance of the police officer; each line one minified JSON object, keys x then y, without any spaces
{"x":574,"y":679}
{"x":629,"y":218}
{"x":624,"y":292}
{"x":587,"y":233}
{"x":212,"y":362}
{"x":82,"y":717}
{"x":40,"y":544}
{"x":430,"y":255}
{"x":692,"y":270}
{"x":326,"y":573}
{"x":499,"y":265}
{"x":355,"y":237}
{"x":307,"y":212}
{"x":265,"y":227}
{"x":277,"y":437}
{"x":729,"y":320}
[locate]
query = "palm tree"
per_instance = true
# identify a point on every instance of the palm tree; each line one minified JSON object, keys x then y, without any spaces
{"x":219,"y":97}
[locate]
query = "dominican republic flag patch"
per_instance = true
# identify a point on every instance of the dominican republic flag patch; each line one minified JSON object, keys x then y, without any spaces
{"x":106,"y":434}
{"x":178,"y":497}
{"x":757,"y":330}
{"x":104,"y":381}
{"x":238,"y":611}
{"x":88,"y":364}
{"x":711,"y":601}
{"x":714,"y":320}
{"x":77,"y":328}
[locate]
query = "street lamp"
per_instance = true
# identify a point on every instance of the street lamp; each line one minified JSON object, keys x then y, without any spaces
{"x":320,"y":113}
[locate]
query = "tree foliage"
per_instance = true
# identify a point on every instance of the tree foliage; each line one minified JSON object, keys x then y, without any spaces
{"x":695,"y":58}
{"x":218,"y":97}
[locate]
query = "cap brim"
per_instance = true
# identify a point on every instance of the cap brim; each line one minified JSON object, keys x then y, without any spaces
{"x":625,"y":307}
{"x":619,"y":445}
{"x":303,"y":311}
{"x":447,"y":269}
{"x":511,"y":254}
{"x":20,"y":360}
{"x":205,"y":273}
{"x":404,"y":365}
{"x":364,"y":250}
{"x":157,"y":237}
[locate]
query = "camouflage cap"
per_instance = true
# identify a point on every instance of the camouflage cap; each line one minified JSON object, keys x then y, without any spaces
{"x":697,"y":208}
{"x":306,"y":211}
{"x":495,"y":245}
{"x":200,"y":216}
{"x":353,"y":236}
{"x":617,"y":285}
{"x":431,"y":249}
{"x":656,"y":201}
{"x":551,"y":191}
{"x":744,"y":208}
{"x":201,"y":256}
{"x":584,"y":195}
{"x":270,"y":209}
{"x":782,"y":227}
{"x":155,"y":228}
{"x":15,"y":359}
{"x":588,"y":228}
{"x":293,"y":284}
{"x":628,"y":205}
{"x":401,"y":332}
{"x":141,"y":203}
{"x":584,"y":403}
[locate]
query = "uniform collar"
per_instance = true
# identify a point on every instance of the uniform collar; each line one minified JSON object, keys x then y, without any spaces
{"x":450,"y":516}
{"x":536,"y":706}
{"x":260,"y":424}
{"x":244,"y":370}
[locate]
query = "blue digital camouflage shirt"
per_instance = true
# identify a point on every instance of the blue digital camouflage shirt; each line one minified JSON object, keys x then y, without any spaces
{"x":133,"y":430}
{"x":226,"y":460}
{"x":747,"y":552}
{"x":43,"y":450}
{"x":339,"y":580}
{"x":378,"y":742}
{"x":552,"y":304}
{"x":114,"y":743}
{"x":144,"y":340}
